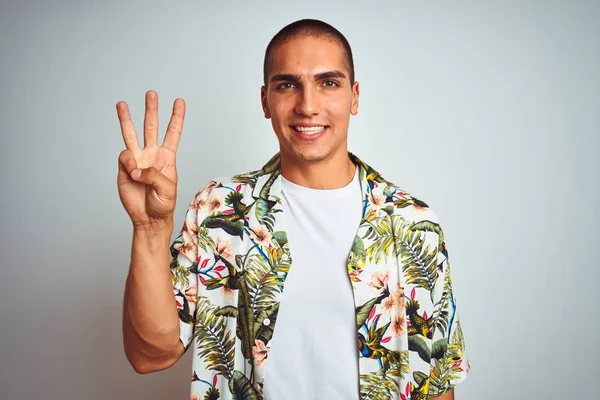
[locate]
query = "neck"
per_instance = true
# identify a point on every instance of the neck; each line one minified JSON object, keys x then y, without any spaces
{"x":332,"y":173}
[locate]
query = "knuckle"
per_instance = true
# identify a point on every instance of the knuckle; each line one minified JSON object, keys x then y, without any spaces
{"x":173,"y":129}
{"x":124,"y":156}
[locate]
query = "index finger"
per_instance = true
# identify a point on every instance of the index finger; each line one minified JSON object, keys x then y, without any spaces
{"x":127,"y":130}
{"x":175,"y":126}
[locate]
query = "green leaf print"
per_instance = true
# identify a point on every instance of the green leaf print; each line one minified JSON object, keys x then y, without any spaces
{"x":385,"y":383}
{"x":264,"y":323}
{"x":215,"y":342}
{"x":377,"y":386}
{"x":212,"y":394}
{"x":262,"y":208}
{"x":382,"y":230}
{"x":205,"y":242}
{"x":428,"y":226}
{"x":227,"y":311}
{"x":241,"y":388}
{"x":358,"y":246}
{"x":179,"y":274}
{"x":362,"y":312}
{"x":457,"y":337}
{"x":267,"y":276}
{"x":438,"y":349}
{"x":418,"y":261}
{"x":441,"y":307}
{"x":417,"y":343}
{"x":281,"y":238}
{"x":245,"y":320}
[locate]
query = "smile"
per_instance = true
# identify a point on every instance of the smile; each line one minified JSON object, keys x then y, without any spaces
{"x":309,"y":132}
{"x":309,"y":129}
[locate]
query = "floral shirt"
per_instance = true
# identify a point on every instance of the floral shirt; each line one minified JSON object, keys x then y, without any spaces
{"x":229,"y":269}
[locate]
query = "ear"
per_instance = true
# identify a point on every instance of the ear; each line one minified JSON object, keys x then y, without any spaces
{"x":355,"y":94}
{"x":263,"y":100}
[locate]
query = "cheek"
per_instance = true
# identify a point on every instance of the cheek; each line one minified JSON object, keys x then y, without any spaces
{"x":279,"y":110}
{"x":339,"y":108}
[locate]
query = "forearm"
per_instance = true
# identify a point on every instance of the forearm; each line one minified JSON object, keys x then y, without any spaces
{"x":150,"y":318}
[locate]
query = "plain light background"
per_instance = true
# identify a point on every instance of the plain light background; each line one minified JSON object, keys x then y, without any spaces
{"x":488,"y":111}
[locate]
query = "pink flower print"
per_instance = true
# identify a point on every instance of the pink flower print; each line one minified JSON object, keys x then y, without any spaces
{"x":260,"y":352}
{"x":207,"y":189}
{"x":387,"y":304}
{"x":223,"y":248}
{"x":190,"y":226}
{"x":227,"y":292}
{"x":398,"y":297}
{"x":192,"y":294}
{"x":189,"y":249}
{"x":195,"y":396}
{"x":379,"y":279}
{"x":261,"y":235}
{"x":201,"y":199}
{"x":214,"y":205}
{"x":399,"y":324}
{"x":200,"y":203}
{"x":376,"y":200}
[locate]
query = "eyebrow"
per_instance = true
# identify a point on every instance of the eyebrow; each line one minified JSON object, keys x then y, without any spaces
{"x":318,"y":77}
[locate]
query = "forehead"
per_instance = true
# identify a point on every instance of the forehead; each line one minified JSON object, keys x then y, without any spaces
{"x":308,"y":55}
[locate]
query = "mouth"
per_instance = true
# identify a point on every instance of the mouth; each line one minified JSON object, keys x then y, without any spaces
{"x":309,"y":132}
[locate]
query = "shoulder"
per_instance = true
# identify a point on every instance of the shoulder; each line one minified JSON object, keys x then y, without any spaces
{"x":416,"y":217}
{"x":386,"y":195}
{"x":408,"y":205}
{"x":218,"y":188}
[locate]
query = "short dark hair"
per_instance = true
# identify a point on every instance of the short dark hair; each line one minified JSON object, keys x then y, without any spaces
{"x":309,"y":27}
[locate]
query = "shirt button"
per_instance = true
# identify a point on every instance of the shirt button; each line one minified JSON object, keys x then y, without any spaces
{"x":267,"y":321}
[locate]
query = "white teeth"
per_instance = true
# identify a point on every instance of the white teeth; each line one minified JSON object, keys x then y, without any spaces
{"x":309,"y":129}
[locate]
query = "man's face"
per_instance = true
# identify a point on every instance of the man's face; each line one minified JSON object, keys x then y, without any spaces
{"x":309,"y":99}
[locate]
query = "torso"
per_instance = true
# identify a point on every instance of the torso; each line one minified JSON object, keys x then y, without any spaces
{"x":314,"y":354}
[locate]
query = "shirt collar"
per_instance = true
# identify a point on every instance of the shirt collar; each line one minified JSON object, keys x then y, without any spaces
{"x":268,"y":178}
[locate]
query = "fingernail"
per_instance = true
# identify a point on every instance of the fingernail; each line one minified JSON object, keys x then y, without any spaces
{"x":136,"y":173}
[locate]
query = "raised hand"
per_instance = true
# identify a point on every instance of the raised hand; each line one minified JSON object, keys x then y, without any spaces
{"x":147,"y":178}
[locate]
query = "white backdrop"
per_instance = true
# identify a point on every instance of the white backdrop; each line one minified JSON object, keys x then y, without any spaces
{"x":489,"y":112}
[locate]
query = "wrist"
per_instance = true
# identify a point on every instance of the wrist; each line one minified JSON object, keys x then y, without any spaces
{"x":162,"y":228}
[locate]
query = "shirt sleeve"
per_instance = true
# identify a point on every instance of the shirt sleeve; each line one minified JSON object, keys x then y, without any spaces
{"x":186,"y":253}
{"x":449,"y":362}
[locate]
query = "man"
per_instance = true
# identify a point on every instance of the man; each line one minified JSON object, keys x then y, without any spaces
{"x":367,"y":311}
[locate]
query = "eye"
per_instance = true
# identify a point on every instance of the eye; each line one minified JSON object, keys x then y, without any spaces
{"x":286,"y":85}
{"x":330,"y":83}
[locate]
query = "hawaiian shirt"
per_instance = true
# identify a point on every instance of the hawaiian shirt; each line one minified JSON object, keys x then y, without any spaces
{"x":229,"y":267}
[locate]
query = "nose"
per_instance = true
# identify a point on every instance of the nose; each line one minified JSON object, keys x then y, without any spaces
{"x":308,"y":101}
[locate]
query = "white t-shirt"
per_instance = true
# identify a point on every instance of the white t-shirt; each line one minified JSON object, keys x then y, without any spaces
{"x":314,"y":354}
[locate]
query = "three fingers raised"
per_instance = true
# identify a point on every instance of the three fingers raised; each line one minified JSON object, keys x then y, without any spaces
{"x":174,"y":129}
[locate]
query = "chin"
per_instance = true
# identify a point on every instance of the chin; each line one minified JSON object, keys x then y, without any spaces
{"x":312,"y":155}
{"x":312,"y":152}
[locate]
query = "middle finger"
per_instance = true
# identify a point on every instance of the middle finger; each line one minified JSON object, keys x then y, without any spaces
{"x":151,"y":119}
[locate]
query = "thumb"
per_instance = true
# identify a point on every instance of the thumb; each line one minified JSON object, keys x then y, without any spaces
{"x":153,"y":177}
